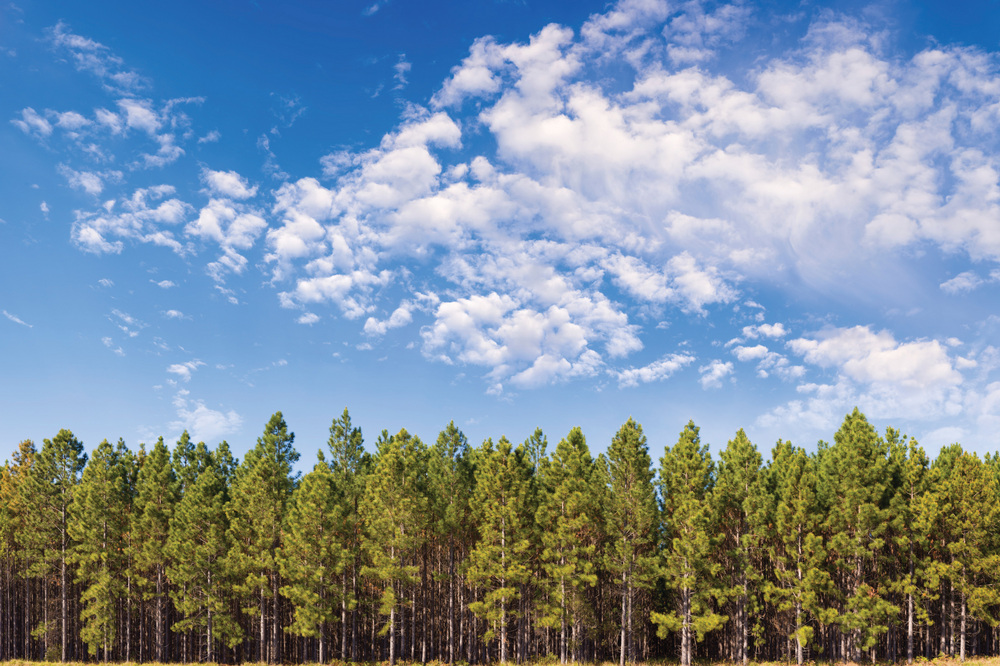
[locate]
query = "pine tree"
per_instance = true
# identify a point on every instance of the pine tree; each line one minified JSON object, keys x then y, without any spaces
{"x":737,"y":486}
{"x":796,"y":549}
{"x":393,"y":510}
{"x":261,"y":490}
{"x":855,"y":490}
{"x":631,"y":524}
{"x":14,"y":508}
{"x":686,"y":481}
{"x":972,"y":504}
{"x":157,"y":495}
{"x":49,"y":490}
{"x":498,"y":561}
{"x":909,"y":534}
{"x":450,"y":486}
{"x":310,"y":559}
{"x":567,"y":538}
{"x":349,"y":465}
{"x":98,"y":526}
{"x":197,"y":547}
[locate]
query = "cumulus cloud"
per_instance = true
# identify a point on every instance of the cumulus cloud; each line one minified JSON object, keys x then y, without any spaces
{"x":184,"y":370}
{"x":203,"y":423}
{"x":656,"y":371}
{"x":228,"y":184}
{"x":713,"y":373}
{"x":32,"y":123}
{"x":149,"y":215}
{"x":401,"y":316}
{"x":916,"y":380}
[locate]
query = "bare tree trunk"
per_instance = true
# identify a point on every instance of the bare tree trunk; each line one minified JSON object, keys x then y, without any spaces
{"x":343,"y":618}
{"x":261,"y":654}
{"x":451,"y":600}
{"x":962,"y":648}
{"x":62,"y":591}
{"x":275,"y":620}
{"x":621,"y":652}
{"x":392,"y":636}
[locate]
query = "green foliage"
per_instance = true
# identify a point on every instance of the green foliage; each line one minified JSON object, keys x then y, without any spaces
{"x":310,"y":558}
{"x":98,"y":526}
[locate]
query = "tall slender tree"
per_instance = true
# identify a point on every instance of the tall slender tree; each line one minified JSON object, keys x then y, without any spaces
{"x":349,"y":465}
{"x":800,"y":580}
{"x":738,"y":487}
{"x":855,"y":488}
{"x":498,"y":561}
{"x":631,"y":524}
{"x":393,"y":509}
{"x":568,"y":548}
{"x":49,"y":490}
{"x":197,"y":548}
{"x":98,"y":526}
{"x":450,"y":477}
{"x":262,"y":488}
{"x":309,"y":558}
{"x":687,"y":476}
{"x":157,"y":495}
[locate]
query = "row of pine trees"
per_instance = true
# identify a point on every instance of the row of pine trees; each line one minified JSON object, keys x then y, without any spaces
{"x":860,"y":549}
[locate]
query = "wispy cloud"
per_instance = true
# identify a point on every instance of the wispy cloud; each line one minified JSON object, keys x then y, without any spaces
{"x":16,"y":319}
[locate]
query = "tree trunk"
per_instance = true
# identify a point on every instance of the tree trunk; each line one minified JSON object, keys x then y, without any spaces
{"x":909,"y":614}
{"x":621,"y":652}
{"x":62,"y":591}
{"x":261,"y":654}
{"x":962,"y":648}
{"x":451,"y":600}
{"x":275,"y":620}
{"x":343,"y":618}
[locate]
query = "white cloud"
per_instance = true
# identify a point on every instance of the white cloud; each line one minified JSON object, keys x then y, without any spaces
{"x":90,"y":56}
{"x":146,"y":217}
{"x":106,"y":282}
{"x":228,"y":184}
{"x":656,"y":371}
{"x":203,"y":423}
{"x":211,"y":137}
{"x":184,"y":370}
{"x":967,"y":281}
{"x":713,"y":373}
{"x":401,"y":316}
{"x":32,"y":123}
{"x":308,"y":318}
{"x":164,"y":284}
{"x":91,"y":182}
{"x":128,"y":324}
{"x":765,"y":330}
{"x":16,"y":319}
{"x":401,"y":68}
{"x":173,"y":314}
{"x":109,"y":343}
{"x":915,"y":380}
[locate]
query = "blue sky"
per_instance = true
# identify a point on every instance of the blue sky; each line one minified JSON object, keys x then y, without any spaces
{"x":504,"y":214}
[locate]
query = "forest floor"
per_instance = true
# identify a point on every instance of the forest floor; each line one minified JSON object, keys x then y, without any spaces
{"x":548,"y":661}
{"x":545,"y":661}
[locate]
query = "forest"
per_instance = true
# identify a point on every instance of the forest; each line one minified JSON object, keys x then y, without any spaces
{"x":859,"y":550}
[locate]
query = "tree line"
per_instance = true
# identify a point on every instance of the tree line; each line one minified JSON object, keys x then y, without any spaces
{"x":862,"y":549}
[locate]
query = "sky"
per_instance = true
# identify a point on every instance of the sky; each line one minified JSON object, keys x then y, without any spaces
{"x":508,"y":215}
